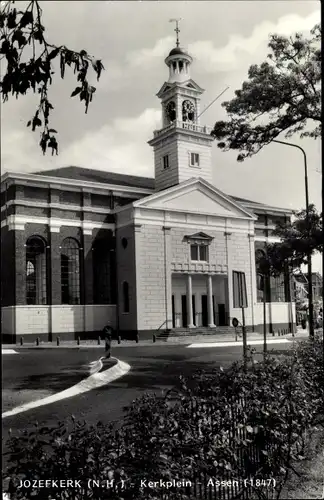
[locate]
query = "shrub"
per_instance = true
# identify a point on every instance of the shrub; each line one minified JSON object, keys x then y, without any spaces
{"x":232,"y":424}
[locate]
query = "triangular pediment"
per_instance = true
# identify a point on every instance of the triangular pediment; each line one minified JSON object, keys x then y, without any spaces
{"x":189,"y":85}
{"x":195,"y":196}
{"x":192,"y":85}
{"x":199,"y":236}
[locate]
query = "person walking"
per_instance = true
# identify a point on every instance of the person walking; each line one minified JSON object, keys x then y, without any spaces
{"x":108,"y":335}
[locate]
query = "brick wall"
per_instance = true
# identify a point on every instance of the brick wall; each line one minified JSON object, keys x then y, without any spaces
{"x":7,"y":267}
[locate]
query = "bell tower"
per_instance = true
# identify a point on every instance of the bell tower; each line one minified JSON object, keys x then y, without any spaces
{"x":182,"y":147}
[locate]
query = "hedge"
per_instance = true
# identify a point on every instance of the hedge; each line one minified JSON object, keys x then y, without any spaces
{"x":243,"y":427}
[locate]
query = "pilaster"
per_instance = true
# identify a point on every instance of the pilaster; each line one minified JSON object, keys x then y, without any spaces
{"x":167,"y":274}
{"x":228,"y":246}
{"x":55,"y":267}
{"x":88,"y":268}
{"x":20,"y":260}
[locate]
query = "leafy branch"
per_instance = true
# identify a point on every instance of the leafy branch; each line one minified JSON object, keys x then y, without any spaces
{"x":29,"y":58}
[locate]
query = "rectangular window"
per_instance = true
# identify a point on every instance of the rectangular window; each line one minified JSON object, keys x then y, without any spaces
{"x":194,"y":159}
{"x":199,"y":252}
{"x":278,"y":290}
{"x":262,"y":219}
{"x":194,"y":252}
{"x":261,"y":232}
{"x":166,"y":161}
{"x":274,"y":220}
{"x":202,"y":252}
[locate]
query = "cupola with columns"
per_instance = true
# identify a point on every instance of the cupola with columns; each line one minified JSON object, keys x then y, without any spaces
{"x":182,"y":147}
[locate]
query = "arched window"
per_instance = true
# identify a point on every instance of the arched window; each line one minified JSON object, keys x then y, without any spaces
{"x":70,"y":272}
{"x":104,"y":272}
{"x":126,"y":297}
{"x":36,"y":272}
{"x":279,"y":288}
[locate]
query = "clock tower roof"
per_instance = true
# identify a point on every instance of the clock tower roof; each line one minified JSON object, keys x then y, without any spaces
{"x":178,"y":51}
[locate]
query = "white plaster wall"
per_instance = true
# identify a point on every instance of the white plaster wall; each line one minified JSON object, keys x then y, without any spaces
{"x":204,"y":150}
{"x":166,"y":177}
{"x":276,"y":312}
{"x":98,"y":316}
{"x":150,"y":271}
{"x":239,"y":259}
{"x":82,"y":318}
{"x":65,"y":318}
{"x":32,"y":319}
{"x":181,"y":249}
{"x":7,"y":320}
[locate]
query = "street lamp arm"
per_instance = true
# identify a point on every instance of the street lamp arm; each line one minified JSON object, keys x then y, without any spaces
{"x":305,"y":167}
{"x":292,"y":145}
{"x":309,"y":256}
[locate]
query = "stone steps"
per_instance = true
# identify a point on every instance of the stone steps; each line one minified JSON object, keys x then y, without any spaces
{"x":193,"y":332}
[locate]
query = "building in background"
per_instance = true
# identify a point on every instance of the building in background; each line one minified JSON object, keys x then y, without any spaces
{"x":317,"y":283}
{"x":82,"y":248}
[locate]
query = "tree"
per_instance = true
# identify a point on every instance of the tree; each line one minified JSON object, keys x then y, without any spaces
{"x":28,"y":59}
{"x":286,"y":257}
{"x":282,"y":95}
{"x":296,"y":242}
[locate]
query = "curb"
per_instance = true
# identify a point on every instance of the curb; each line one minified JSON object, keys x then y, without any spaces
{"x":94,"y":381}
{"x":172,"y":341}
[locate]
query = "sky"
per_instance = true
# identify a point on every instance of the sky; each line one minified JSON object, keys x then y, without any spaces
{"x":132,"y":39}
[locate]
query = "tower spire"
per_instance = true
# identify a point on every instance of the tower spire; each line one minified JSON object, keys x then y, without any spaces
{"x":177,"y":30}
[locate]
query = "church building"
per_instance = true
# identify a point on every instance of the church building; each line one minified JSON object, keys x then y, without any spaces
{"x":82,"y":249}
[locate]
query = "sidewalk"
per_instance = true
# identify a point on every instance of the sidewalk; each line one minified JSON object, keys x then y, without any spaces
{"x":183,"y":340}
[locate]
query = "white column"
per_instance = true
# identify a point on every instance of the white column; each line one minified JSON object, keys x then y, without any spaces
{"x":189,"y":302}
{"x":210,"y":301}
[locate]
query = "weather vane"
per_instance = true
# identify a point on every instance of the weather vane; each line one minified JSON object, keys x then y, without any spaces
{"x":177,"y":30}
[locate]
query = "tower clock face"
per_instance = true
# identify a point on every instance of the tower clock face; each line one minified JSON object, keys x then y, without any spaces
{"x":188,"y":111}
{"x":170,"y":110}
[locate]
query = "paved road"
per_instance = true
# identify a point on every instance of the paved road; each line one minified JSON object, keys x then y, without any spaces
{"x":153,"y":370}
{"x":35,"y":374}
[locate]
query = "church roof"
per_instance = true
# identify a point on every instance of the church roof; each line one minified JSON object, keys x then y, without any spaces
{"x":87,"y":174}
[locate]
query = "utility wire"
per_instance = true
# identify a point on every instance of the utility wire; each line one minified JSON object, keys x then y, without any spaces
{"x":213,"y":102}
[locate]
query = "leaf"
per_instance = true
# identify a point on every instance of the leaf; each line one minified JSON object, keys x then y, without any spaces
{"x":29,"y":123}
{"x":52,"y":130}
{"x":54,"y":53}
{"x":62,"y":64}
{"x":76,"y":91}
{"x":26,"y":19}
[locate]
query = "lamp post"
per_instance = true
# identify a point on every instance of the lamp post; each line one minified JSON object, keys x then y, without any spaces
{"x":309,"y":255}
{"x":263,"y":277}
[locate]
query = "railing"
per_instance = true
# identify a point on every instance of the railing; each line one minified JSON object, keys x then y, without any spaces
{"x":165,"y":322}
{"x":202,"y":129}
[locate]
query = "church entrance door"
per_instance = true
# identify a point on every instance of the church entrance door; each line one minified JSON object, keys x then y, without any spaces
{"x":184,"y":311}
{"x":204,"y":310}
